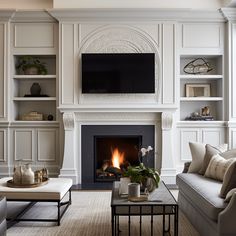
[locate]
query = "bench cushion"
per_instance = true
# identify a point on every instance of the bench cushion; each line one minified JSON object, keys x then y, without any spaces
{"x":203,"y":193}
{"x":55,"y":189}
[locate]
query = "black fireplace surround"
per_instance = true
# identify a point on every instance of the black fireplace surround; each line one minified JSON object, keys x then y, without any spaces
{"x":124,"y":135}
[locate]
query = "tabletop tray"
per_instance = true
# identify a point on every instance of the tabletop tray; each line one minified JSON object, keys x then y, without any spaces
{"x":34,"y":185}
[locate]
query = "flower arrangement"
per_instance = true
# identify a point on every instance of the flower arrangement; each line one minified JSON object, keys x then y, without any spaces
{"x":148,"y":177}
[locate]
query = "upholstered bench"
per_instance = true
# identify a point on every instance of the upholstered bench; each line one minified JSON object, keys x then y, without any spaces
{"x":54,"y":191}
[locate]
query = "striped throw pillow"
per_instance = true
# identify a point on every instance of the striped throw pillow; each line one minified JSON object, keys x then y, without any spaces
{"x":217,"y":167}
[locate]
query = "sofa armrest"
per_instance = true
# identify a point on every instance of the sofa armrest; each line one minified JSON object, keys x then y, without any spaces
{"x":226,"y":219}
{"x":3,"y":214}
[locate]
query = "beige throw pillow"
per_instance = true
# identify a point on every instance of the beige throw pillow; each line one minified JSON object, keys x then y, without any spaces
{"x":217,"y":167}
{"x":229,"y":180}
{"x":210,"y":152}
{"x":198,"y":153}
{"x":229,"y":154}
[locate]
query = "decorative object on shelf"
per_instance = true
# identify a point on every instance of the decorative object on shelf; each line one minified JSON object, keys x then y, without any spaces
{"x":195,"y":116}
{"x":50,"y":117}
{"x":32,"y":116}
{"x":147,"y":177}
{"x":31,"y":65}
{"x":197,"y":66}
{"x":206,"y":111}
{"x":198,"y":90}
{"x":35,"y":89}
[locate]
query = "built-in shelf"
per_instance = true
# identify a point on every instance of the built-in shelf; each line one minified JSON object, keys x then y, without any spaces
{"x":201,"y":77}
{"x":25,"y":99}
{"x":192,"y":99}
{"x":31,"y":77}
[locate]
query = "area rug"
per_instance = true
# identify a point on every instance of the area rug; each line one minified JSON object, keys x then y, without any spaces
{"x":90,"y":215}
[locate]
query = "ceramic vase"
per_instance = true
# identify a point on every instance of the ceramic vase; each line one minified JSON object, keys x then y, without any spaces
{"x":35,"y":89}
{"x":17,"y":176}
{"x":27,"y":175}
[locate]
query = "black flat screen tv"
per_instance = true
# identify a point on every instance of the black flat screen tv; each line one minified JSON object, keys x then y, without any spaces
{"x":118,"y":73}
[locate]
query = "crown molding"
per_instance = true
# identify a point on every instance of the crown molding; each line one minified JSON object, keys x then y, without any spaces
{"x":138,"y":14}
{"x":32,"y":16}
{"x":229,"y":13}
{"x":5,"y":15}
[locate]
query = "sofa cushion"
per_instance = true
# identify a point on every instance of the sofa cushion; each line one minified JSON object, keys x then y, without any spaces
{"x":210,"y":152}
{"x":229,"y":180}
{"x":202,"y":192}
{"x":198,"y":153}
{"x":217,"y":167}
{"x":229,"y":154}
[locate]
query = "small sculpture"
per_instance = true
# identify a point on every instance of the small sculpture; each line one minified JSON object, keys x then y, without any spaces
{"x":206,"y":111}
{"x":197,"y":66}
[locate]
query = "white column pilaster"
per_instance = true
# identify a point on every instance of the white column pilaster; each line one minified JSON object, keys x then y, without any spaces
{"x":168,"y":170}
{"x":69,"y":166}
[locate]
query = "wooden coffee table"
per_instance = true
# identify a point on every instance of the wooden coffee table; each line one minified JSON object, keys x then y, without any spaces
{"x":160,"y":202}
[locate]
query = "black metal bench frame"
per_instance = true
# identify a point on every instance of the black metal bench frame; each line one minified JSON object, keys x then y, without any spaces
{"x":18,"y":217}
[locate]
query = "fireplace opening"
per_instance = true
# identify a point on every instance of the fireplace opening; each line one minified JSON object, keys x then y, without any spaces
{"x":113,"y":154}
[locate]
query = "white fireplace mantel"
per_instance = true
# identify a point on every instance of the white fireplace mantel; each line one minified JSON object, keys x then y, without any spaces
{"x":73,"y":122}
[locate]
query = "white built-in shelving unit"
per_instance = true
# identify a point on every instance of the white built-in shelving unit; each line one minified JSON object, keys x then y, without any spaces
{"x":214,"y":78}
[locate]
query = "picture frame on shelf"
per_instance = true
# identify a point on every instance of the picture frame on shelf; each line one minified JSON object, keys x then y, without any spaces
{"x":198,"y":90}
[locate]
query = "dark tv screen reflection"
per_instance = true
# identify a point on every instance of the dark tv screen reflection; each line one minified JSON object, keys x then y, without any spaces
{"x":118,"y":73}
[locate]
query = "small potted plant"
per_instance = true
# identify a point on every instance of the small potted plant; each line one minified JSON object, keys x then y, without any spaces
{"x":147,"y":177}
{"x":31,"y":65}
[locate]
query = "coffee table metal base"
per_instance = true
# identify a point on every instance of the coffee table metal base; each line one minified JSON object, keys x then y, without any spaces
{"x":18,"y":217}
{"x":116,"y":226}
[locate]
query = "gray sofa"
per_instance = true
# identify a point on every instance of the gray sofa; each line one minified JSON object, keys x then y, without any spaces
{"x":199,"y":200}
{"x":3,"y":212}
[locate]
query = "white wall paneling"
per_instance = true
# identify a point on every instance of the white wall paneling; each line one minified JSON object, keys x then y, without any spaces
{"x":3,"y":145}
{"x":233,"y":138}
{"x":67,"y":64}
{"x":2,"y":69}
{"x":23,"y":144}
{"x":168,"y":63}
{"x":38,"y":42}
{"x":36,"y":39}
{"x":233,"y":71}
{"x":47,"y":144}
{"x":202,"y":38}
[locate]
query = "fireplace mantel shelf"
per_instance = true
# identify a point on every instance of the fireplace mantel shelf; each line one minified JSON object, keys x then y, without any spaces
{"x":118,"y":108}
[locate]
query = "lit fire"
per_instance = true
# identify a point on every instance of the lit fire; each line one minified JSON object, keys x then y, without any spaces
{"x":117,"y":158}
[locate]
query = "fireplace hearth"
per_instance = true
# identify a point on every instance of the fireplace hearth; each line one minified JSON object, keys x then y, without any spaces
{"x":107,"y":150}
{"x":113,"y":155}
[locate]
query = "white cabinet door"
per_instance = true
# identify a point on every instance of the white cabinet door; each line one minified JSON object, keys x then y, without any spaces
{"x":187,"y":135}
{"x":213,"y":136}
{"x":3,"y":145}
{"x":47,"y":145}
{"x":23,"y":144}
